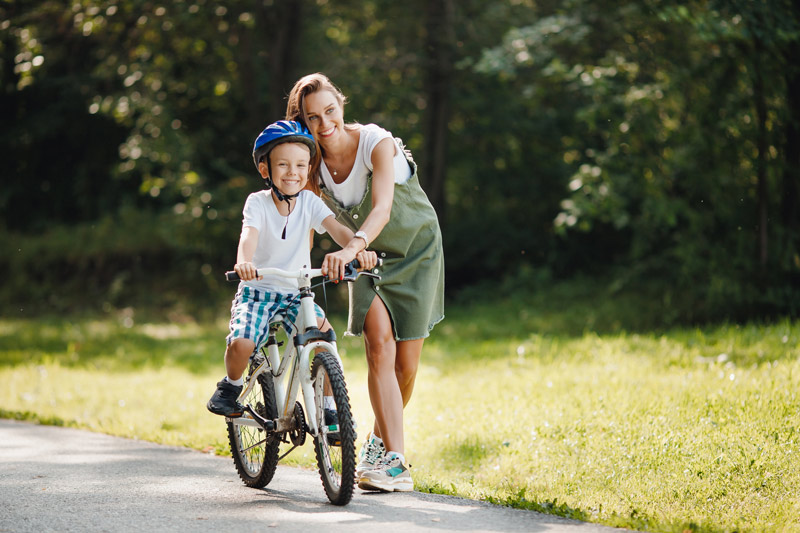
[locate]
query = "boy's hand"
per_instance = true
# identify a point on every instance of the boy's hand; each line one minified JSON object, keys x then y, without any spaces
{"x":367,"y":259}
{"x":246,"y":271}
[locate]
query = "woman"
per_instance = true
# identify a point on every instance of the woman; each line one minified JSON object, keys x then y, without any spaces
{"x":370,"y":182}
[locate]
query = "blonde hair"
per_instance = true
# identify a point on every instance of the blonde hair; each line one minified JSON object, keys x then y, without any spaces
{"x":295,"y":110}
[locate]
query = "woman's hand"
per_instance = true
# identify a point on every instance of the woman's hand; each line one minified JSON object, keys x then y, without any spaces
{"x":367,"y":259}
{"x":334,"y":263}
{"x":247,"y":271}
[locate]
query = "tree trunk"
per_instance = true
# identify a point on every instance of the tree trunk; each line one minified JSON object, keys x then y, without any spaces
{"x":281,"y":23}
{"x":439,"y":66}
{"x":761,"y":164}
{"x":250,"y":64}
{"x":790,"y":194}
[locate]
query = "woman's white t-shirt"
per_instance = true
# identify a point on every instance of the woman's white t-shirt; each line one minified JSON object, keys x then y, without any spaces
{"x":273,"y":250}
{"x":352,"y":189}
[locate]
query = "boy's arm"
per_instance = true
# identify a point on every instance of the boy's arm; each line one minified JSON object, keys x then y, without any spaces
{"x":248,"y":241}
{"x":340,"y":233}
{"x":333,"y":264}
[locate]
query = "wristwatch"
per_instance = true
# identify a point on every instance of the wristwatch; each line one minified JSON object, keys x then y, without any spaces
{"x":362,"y":235}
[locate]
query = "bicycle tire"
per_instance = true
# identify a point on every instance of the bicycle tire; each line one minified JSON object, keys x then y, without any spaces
{"x":336,"y":462}
{"x":255,"y":454}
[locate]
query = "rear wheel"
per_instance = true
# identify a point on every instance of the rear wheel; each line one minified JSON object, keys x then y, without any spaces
{"x":255,"y":451}
{"x":335,"y":442}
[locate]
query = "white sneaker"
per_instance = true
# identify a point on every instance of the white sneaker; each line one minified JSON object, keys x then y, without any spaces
{"x":370,"y":455}
{"x":390,"y":475}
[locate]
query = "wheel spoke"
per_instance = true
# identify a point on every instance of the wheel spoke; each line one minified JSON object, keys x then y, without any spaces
{"x":255,"y":452}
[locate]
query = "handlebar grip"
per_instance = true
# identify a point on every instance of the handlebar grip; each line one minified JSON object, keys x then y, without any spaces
{"x":358,"y":265}
{"x":231,"y":276}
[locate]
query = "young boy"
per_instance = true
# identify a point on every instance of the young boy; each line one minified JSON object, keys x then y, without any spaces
{"x":276,"y":232}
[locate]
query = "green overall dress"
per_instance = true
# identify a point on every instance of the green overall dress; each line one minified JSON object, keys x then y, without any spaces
{"x":412,"y":274}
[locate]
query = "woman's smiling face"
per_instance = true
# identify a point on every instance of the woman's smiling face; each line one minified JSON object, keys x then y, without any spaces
{"x":324,"y":115}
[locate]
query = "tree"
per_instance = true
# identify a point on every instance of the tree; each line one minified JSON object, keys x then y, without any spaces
{"x":678,"y":108}
{"x":439,"y":39}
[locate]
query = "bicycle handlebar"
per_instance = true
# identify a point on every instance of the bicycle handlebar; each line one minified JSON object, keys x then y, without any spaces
{"x":351,"y":272}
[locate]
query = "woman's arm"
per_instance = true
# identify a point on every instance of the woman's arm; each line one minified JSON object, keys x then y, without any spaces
{"x":335,"y":262}
{"x":382,"y":189}
{"x":382,"y":197}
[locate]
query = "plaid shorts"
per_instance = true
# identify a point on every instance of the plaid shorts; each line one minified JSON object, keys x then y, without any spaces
{"x":253,"y":310}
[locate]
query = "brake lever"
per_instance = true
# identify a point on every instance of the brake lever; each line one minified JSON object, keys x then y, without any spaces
{"x":351,"y":274}
{"x":351,"y":271}
{"x":353,"y":277}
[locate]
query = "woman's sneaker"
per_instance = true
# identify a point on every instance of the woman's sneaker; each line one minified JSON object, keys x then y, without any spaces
{"x":390,"y":475}
{"x":370,"y":455}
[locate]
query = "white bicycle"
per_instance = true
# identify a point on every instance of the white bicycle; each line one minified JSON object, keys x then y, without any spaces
{"x":272,"y":413}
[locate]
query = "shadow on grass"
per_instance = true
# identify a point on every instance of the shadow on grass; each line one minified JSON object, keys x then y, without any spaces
{"x":118,"y":344}
{"x":111,"y":345}
{"x":476,"y":324}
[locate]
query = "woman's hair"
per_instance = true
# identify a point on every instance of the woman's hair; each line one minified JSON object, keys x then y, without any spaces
{"x":295,"y":110}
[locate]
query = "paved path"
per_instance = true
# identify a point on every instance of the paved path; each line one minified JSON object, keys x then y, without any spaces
{"x":61,"y":479}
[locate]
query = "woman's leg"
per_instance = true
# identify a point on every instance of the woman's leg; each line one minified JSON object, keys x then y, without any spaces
{"x":392,"y":369}
{"x":406,"y":365}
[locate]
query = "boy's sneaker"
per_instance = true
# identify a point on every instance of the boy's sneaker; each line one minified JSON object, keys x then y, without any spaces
{"x":390,"y":475}
{"x":223,"y":401}
{"x":370,"y":455}
{"x":332,"y":419}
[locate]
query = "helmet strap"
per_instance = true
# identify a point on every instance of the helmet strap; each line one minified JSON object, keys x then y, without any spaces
{"x":282,"y":198}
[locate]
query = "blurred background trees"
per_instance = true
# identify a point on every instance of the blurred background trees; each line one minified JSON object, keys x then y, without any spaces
{"x":649,"y":143}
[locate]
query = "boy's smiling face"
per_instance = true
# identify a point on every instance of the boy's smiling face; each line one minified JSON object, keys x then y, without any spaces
{"x":289,"y":162}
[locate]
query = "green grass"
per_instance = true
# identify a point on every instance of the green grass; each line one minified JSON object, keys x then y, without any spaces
{"x":561,"y":402}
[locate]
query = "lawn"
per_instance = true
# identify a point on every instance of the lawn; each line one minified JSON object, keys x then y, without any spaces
{"x":586,"y":408}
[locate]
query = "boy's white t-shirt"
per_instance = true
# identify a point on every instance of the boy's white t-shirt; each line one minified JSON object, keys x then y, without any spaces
{"x":352,"y":189}
{"x":292,"y":253}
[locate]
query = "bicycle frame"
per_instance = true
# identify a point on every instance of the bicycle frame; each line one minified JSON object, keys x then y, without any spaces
{"x":301,"y":343}
{"x":309,"y":365}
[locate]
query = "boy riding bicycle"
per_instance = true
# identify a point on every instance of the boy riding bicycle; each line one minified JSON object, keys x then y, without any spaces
{"x":276,"y":232}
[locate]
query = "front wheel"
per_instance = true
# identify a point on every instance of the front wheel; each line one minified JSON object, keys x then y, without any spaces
{"x":255,"y":452}
{"x":335,"y":441}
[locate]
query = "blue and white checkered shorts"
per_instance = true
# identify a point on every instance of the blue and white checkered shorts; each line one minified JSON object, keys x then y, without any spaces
{"x":253,"y":310}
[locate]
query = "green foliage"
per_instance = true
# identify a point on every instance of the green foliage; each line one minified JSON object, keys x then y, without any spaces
{"x":154,"y":262}
{"x":646,"y":138}
{"x":658,"y":141}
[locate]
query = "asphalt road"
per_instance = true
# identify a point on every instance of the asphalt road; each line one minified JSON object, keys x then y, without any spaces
{"x":61,"y":479}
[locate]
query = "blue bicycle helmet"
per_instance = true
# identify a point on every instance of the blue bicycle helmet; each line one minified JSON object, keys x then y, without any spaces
{"x":281,"y":132}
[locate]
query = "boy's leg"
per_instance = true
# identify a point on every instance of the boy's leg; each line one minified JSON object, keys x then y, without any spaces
{"x":237,"y":355}
{"x":249,"y":324}
{"x":224,"y":401}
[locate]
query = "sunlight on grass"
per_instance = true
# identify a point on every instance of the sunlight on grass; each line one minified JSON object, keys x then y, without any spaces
{"x":690,"y":429}
{"x":627,"y":437}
